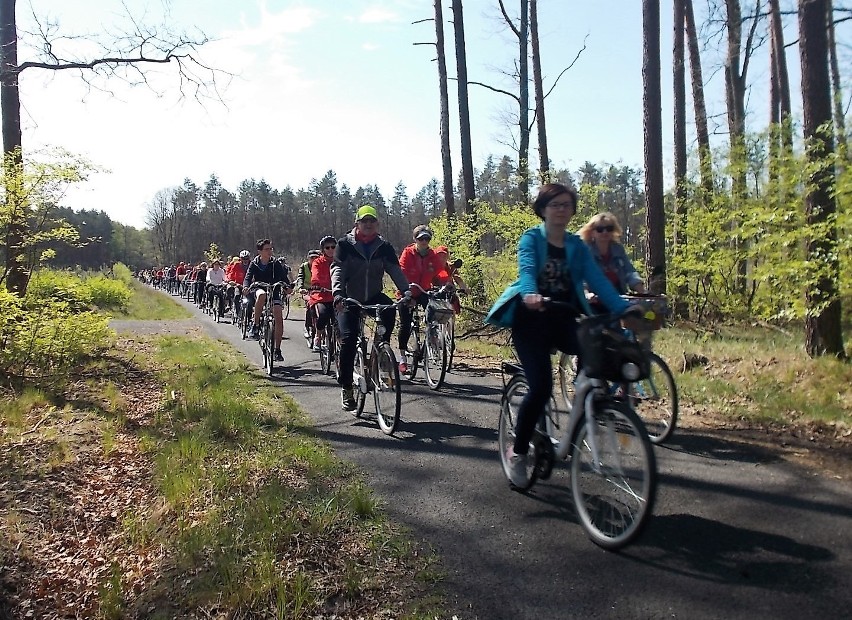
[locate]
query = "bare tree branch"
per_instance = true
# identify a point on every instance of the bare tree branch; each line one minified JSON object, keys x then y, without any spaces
{"x":498,"y":90}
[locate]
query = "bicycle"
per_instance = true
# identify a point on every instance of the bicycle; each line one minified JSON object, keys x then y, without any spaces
{"x":613,"y":470}
{"x":376,"y":367}
{"x":327,"y":341}
{"x":215,"y":301}
{"x":433,"y":350}
{"x":654,"y":398}
{"x":267,"y":324}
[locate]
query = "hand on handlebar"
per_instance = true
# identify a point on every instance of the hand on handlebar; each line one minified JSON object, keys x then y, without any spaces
{"x":534,"y":301}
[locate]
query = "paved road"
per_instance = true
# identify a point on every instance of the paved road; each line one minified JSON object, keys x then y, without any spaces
{"x":736,"y":533}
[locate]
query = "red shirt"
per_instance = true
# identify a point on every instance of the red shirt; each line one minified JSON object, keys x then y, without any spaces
{"x":237,"y":273}
{"x":321,"y":276}
{"x":419,"y":269}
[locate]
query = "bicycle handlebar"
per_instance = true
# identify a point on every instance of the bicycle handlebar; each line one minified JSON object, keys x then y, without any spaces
{"x":445,"y":289}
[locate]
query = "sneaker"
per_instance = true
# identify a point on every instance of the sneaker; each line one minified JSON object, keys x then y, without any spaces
{"x":307,"y":334}
{"x":403,"y":368}
{"x":279,"y":357}
{"x":517,"y":465}
{"x":347,"y":399}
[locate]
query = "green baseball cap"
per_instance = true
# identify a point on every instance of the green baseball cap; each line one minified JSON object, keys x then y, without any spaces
{"x":366,"y":211}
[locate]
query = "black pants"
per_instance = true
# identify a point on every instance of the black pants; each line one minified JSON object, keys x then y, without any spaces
{"x":535,"y":334}
{"x":324,"y":312}
{"x":405,"y":314}
{"x":348,"y":322}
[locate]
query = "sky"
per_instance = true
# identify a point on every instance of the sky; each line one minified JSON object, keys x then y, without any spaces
{"x":330,"y":85}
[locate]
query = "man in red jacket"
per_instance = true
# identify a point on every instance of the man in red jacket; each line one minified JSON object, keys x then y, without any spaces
{"x":420,"y":264}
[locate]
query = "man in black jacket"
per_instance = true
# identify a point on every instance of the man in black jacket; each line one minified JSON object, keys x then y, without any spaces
{"x":264,"y":269}
{"x":361,"y":260}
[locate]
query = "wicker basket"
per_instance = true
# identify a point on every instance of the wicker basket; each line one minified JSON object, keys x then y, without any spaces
{"x":439,"y":311}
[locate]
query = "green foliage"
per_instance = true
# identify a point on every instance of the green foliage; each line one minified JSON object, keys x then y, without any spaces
{"x":107,"y":293}
{"x":121,"y":272}
{"x":213,"y":253}
{"x":78,"y":293}
{"x":43,"y":339}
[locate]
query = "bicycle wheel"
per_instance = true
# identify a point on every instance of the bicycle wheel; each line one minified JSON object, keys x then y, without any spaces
{"x":268,"y":347}
{"x":361,"y":370}
{"x":326,"y":348}
{"x":567,"y":370}
{"x":655,"y":400}
{"x":437,"y":356}
{"x":451,"y":340}
{"x":613,"y":475}
{"x":285,"y":306}
{"x":513,"y":394}
{"x":416,"y":350}
{"x":387,"y":391}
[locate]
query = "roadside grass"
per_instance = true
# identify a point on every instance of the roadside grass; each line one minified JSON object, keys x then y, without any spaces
{"x":751,"y":373}
{"x":149,"y":304}
{"x":264,"y":520}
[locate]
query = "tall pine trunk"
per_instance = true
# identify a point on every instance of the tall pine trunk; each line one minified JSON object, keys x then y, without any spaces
{"x":16,"y":273}
{"x":823,"y":334}
{"x":839,"y":117}
{"x":543,"y":156}
{"x":464,"y":111}
{"x":679,"y":102}
{"x":702,"y":133}
{"x":653,"y":129}
{"x":446,"y":159}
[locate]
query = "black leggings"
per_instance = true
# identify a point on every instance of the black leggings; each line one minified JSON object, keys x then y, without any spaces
{"x":535,"y":334}
{"x":405,"y":317}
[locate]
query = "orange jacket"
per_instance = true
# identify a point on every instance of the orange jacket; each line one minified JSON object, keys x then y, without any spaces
{"x":321,"y":276}
{"x":419,"y":269}
{"x":237,"y":273}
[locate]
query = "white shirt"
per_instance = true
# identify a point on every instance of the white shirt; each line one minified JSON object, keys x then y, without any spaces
{"x":216,"y":276}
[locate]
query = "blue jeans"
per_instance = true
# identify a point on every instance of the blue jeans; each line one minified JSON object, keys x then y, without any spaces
{"x":535,"y":334}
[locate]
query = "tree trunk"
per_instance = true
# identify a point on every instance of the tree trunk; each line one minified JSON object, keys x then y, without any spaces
{"x":446,"y":159}
{"x":839,"y":120}
{"x":524,"y":108}
{"x":653,"y":126}
{"x":464,"y":111}
{"x":679,"y":101}
{"x":702,"y":133}
{"x":823,"y":334}
{"x":543,"y":156}
{"x":17,"y":276}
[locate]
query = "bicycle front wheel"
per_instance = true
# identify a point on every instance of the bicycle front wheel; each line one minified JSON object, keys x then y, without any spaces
{"x":326,"y":348}
{"x":437,"y":356}
{"x":269,"y":355}
{"x":285,"y":306}
{"x":387,"y":391}
{"x":361,"y":369}
{"x":655,"y":400}
{"x":613,"y":475}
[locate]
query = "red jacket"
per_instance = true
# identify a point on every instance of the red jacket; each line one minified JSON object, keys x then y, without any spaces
{"x":419,"y":269}
{"x":237,"y":273}
{"x":321,"y":276}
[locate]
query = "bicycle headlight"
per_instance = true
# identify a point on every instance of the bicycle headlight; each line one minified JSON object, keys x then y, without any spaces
{"x":630,"y":371}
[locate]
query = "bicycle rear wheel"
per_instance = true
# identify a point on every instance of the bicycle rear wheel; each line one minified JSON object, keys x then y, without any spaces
{"x":436,"y":358}
{"x":268,"y":352}
{"x":451,"y":341}
{"x":655,"y":400}
{"x":387,"y":391}
{"x":416,"y":350}
{"x":327,"y":349}
{"x":513,"y":394}
{"x":613,"y":475}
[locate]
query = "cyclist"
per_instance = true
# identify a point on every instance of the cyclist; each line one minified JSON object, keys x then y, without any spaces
{"x":264,"y":269}
{"x":320,"y":301}
{"x":303,"y":283}
{"x":215,"y":279}
{"x":361,"y":260}
{"x":602,"y":234}
{"x":449,"y":273}
{"x":553,"y":263}
{"x":199,"y":281}
{"x":420,"y":264}
{"x":235,"y":276}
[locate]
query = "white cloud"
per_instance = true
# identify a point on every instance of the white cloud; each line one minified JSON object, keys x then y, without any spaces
{"x":378,"y":15}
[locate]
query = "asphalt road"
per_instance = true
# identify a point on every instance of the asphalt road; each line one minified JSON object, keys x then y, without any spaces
{"x":736,"y":532}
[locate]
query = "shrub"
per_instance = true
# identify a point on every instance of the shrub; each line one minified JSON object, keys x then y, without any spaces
{"x":61,"y":286}
{"x":106,"y":293}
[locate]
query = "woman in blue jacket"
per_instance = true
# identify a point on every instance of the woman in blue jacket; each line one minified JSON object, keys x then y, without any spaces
{"x":552,"y":263}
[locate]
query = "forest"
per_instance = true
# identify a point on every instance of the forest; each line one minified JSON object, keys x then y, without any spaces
{"x":753,"y":224}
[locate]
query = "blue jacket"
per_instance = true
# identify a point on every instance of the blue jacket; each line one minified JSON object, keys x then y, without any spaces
{"x":628,"y":277}
{"x":532,"y":254}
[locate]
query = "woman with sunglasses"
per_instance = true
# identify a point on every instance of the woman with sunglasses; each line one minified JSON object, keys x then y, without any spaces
{"x":552,"y":263}
{"x":320,"y":300}
{"x":602,"y":234}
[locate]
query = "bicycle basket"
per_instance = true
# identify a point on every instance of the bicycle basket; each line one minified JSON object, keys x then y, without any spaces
{"x":610,"y":355}
{"x":439,"y":311}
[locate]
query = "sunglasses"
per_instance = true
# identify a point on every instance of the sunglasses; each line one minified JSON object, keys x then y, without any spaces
{"x":329,"y":247}
{"x":608,"y":229}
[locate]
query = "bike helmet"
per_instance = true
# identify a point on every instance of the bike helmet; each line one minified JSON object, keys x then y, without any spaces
{"x":314,"y":254}
{"x":245,"y":254}
{"x":327,"y":239}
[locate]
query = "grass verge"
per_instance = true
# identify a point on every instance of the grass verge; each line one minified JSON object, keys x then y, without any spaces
{"x":191,"y":488}
{"x":149,"y":304}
